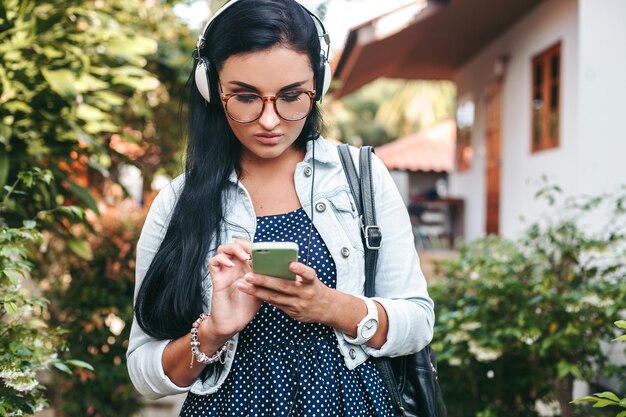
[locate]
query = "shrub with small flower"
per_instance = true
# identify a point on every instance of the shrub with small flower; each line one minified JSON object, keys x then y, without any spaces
{"x":27,"y":345}
{"x":519,"y":320}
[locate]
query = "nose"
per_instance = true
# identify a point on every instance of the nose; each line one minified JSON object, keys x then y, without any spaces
{"x":269,"y":118}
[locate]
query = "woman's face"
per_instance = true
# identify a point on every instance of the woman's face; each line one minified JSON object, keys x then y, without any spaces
{"x":267,"y":73}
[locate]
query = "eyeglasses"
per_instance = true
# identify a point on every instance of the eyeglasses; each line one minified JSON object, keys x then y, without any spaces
{"x":292,"y":105}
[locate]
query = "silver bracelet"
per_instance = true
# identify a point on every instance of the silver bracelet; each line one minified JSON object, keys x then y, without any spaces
{"x":201,"y":357}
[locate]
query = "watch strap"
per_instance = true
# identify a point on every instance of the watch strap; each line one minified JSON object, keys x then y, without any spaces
{"x":372,"y":313}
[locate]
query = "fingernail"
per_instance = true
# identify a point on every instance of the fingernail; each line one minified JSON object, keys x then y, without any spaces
{"x":250,"y":277}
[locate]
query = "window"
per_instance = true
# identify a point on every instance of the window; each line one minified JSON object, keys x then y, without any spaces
{"x":546,"y":73}
{"x":464,"y":123}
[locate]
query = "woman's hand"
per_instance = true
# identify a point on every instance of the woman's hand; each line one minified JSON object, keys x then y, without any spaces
{"x":231,"y":309}
{"x":306,"y":299}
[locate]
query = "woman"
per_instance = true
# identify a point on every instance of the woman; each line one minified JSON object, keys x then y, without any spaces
{"x":244,"y":344}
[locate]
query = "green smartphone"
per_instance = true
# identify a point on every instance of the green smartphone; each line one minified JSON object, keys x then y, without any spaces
{"x":273,"y":258}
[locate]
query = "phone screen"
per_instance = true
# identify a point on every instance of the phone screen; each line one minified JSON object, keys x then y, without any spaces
{"x":273,"y":258}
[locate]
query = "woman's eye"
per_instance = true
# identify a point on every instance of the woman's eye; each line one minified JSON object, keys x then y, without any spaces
{"x":291,"y":97}
{"x":246,"y":98}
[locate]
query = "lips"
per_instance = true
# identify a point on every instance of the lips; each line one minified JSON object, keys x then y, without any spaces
{"x":268,"y":138}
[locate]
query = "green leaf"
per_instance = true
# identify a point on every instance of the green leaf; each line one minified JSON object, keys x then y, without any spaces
{"x":88,"y":82}
{"x":110,"y":98}
{"x":4,"y":166}
{"x":622,"y":414}
{"x":11,"y":308}
{"x":84,"y":195}
{"x":15,"y":106}
{"x":137,"y":45}
{"x":63,"y":367}
{"x":13,"y":275}
{"x":621,"y":338}
{"x":5,"y":133}
{"x":604,"y":403}
{"x":29,"y":224}
{"x":587,"y":399}
{"x":62,"y":82}
{"x":608,"y":395}
{"x":80,"y":364}
{"x":141,"y":84}
{"x":94,"y":127}
{"x":89,"y":113}
{"x":72,"y":211}
{"x":81,"y":248}
{"x":621,"y":324}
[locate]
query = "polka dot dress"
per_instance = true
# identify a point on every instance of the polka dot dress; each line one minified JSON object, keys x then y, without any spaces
{"x":285,"y":368}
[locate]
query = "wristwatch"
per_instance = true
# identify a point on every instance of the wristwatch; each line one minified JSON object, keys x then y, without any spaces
{"x":367,"y":327}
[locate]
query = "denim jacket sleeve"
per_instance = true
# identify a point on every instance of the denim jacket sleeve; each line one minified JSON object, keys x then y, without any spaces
{"x":400,"y":283}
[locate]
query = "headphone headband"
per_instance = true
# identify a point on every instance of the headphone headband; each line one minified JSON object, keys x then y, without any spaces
{"x":323,"y":75}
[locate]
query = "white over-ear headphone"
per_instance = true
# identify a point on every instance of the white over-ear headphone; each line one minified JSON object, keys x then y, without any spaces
{"x":322,"y":74}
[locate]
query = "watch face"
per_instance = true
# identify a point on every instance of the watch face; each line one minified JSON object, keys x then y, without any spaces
{"x":369,"y":328}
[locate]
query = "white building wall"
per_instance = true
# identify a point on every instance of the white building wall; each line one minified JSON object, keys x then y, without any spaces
{"x":601,"y":163}
{"x":542,"y":27}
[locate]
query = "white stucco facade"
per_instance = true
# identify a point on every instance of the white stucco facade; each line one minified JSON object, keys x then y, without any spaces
{"x":602,"y":95}
{"x":591,"y":155}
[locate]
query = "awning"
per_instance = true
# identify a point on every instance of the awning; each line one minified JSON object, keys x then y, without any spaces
{"x":431,"y":149}
{"x":426,"y":39}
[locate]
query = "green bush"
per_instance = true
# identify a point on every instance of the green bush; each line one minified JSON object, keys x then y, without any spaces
{"x":519,"y":320}
{"x":28,"y":346}
{"x":608,"y":399}
{"x":93,"y":301}
{"x":82,"y":84}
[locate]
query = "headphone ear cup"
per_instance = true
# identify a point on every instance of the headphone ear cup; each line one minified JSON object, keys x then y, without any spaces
{"x":202,"y":78}
{"x":323,"y":80}
{"x":327,"y":77}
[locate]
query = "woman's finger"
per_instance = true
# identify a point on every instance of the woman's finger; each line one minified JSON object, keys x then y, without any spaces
{"x":306,"y":273}
{"x":263,"y":293}
{"x":278,"y":285}
{"x":221,"y":260}
{"x":239,"y":250}
{"x":244,"y":243}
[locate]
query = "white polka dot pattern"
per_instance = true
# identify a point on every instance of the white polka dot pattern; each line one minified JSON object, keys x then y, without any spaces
{"x":285,"y":368}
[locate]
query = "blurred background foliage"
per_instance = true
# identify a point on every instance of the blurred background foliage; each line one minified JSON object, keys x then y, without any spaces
{"x":86,"y":88}
{"x":520,"y":320}
{"x":388,"y":109}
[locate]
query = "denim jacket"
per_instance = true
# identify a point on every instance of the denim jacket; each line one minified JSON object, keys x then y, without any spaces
{"x":400,"y":284}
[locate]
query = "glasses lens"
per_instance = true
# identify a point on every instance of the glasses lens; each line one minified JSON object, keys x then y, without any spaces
{"x":294,"y":105}
{"x":244,"y":107}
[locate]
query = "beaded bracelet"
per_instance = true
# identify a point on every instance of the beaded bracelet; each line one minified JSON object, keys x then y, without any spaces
{"x":201,"y":357}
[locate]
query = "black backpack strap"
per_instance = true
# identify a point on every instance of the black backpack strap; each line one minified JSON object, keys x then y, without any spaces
{"x":351,"y":175}
{"x":362,"y":189}
{"x":363,"y":192}
{"x":372,"y":237}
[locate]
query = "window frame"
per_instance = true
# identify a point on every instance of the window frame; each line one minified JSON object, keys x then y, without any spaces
{"x":545,"y":121}
{"x":464,"y":148}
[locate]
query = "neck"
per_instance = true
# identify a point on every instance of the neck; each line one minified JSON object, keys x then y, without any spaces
{"x":285,"y":164}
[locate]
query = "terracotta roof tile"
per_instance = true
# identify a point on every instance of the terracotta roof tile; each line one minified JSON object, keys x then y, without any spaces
{"x":430,"y":149}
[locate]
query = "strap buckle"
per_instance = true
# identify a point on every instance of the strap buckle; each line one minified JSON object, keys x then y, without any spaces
{"x":373,"y":237}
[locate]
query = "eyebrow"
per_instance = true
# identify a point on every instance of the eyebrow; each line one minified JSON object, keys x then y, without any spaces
{"x":246,"y":86}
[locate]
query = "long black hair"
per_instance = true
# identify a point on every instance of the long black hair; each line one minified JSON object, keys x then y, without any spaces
{"x":170,"y":296}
